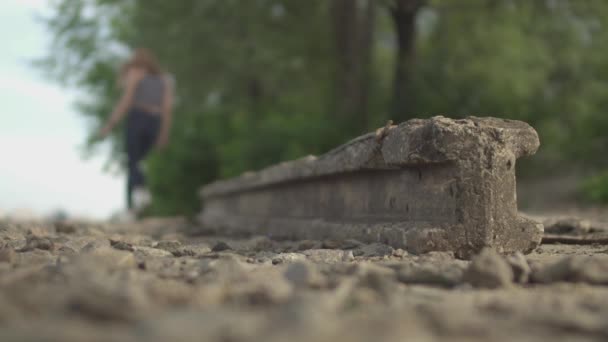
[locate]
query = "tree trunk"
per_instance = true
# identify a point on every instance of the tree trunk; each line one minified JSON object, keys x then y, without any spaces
{"x":353,"y":28}
{"x":403,"y":14}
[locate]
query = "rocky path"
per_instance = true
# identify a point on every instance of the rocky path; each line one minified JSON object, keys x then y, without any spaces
{"x":151,"y":282}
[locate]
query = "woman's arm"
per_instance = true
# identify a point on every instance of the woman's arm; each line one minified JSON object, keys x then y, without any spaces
{"x":132,"y":78}
{"x":167,"y":114}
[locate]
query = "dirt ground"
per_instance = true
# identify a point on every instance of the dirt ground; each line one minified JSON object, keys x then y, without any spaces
{"x":152,"y":281}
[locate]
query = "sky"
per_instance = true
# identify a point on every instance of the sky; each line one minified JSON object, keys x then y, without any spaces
{"x":41,"y":166}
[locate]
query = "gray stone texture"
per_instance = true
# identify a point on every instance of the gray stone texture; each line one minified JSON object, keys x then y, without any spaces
{"x":437,"y":184}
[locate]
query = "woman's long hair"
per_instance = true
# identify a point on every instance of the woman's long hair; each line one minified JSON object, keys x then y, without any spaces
{"x":142,"y":58}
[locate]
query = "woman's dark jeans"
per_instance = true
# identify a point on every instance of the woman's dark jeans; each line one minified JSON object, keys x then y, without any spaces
{"x":142,"y":132}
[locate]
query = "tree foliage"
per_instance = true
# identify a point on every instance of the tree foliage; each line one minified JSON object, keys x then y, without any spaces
{"x":261,"y":81}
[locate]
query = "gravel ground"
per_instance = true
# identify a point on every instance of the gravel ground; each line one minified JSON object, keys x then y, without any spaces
{"x":151,"y":282}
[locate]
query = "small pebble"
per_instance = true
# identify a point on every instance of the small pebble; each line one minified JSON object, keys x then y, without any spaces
{"x":221,"y":246}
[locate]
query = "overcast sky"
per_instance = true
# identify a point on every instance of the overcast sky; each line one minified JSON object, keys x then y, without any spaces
{"x":41,"y":168}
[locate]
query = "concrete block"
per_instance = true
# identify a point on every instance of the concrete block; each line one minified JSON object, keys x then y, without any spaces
{"x":425,"y":185}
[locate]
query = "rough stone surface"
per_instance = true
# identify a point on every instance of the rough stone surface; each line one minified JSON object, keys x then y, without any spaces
{"x":567,"y":225}
{"x":374,"y":249}
{"x":220,"y":246}
{"x":578,"y":269}
{"x":328,"y":255}
{"x":100,"y":293}
{"x":168,"y":245}
{"x":430,"y":274}
{"x":489,"y":270}
{"x":303,"y":274}
{"x":7,"y":254}
{"x":37,"y":242}
{"x":95,"y":245}
{"x":520,"y":267}
{"x":288,"y":258}
{"x":142,"y":251}
{"x":65,"y":227}
{"x":436,"y":184}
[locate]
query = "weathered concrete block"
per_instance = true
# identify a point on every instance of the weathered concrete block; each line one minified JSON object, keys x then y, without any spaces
{"x":436,"y":184}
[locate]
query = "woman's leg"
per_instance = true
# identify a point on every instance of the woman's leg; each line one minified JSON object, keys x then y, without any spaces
{"x":140,"y":141}
{"x":135,"y":155}
{"x":149,"y":134}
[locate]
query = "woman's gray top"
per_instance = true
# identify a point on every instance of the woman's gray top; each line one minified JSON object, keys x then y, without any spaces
{"x":149,"y":91}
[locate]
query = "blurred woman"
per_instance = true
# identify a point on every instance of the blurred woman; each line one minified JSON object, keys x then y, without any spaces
{"x":147,"y":100}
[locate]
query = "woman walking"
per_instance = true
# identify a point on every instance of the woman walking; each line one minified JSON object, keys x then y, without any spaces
{"x":147,"y":99}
